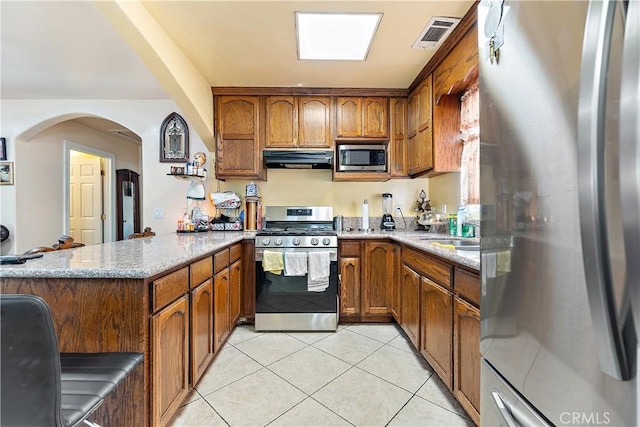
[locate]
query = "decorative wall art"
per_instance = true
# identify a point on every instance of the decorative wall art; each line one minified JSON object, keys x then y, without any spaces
{"x":174,"y":139}
{"x":6,"y":173}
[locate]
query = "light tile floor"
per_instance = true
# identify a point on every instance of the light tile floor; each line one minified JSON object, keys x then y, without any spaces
{"x":361,"y":375}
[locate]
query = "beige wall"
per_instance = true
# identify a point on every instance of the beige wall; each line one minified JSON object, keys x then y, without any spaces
{"x":314,"y":187}
{"x":39,"y":202}
{"x":445,"y":189}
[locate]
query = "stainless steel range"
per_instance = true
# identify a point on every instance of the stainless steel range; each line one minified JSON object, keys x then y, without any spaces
{"x":296,"y":260}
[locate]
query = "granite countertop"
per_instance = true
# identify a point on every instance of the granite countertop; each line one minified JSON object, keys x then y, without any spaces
{"x":149,"y":256}
{"x":422,"y":240}
{"x":133,"y":259}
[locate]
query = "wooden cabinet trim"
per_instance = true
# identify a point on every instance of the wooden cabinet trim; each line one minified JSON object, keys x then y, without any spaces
{"x":168,"y":288}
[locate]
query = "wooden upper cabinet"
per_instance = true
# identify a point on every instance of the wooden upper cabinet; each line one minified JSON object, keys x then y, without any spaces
{"x":298,"y":122}
{"x":398,"y":139}
{"x":238,"y":148}
{"x":457,"y":72}
{"x":359,"y":117}
{"x":375,"y":117}
{"x":282,"y":121}
{"x":314,"y":116}
{"x":349,"y":117}
{"x":420,"y":142}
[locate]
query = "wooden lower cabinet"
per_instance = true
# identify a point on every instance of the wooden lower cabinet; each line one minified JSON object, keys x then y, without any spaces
{"x":349,"y":286}
{"x":235,"y":292}
{"x":395,"y":299}
{"x":221,"y":310}
{"x":201,"y":332}
{"x":466,"y":357}
{"x":378,"y":276}
{"x":169,"y":360}
{"x":437,"y":329}
{"x":410,"y":319}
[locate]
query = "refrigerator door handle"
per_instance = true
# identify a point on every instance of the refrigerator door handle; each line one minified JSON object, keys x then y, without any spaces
{"x":591,"y":189}
{"x":630,"y":147}
{"x":504,"y":410}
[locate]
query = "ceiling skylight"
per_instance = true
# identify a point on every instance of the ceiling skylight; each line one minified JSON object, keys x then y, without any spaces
{"x":335,"y":36}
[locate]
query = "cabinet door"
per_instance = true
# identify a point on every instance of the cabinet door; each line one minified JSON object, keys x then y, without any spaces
{"x":349,"y":286}
{"x":437,"y":329}
{"x":375,"y":117}
{"x":314,"y":115}
{"x":220,"y":309}
{"x":170,"y":360}
{"x":466,"y":357}
{"x":378,"y":276}
{"x":420,"y":152}
{"x":282,"y":121}
{"x":423,"y":92}
{"x":395,"y":300}
{"x":412,"y":114}
{"x":398,"y":140}
{"x":238,"y":150}
{"x":201,"y":329}
{"x":235,"y":285}
{"x":349,"y":117}
{"x":410,"y":322}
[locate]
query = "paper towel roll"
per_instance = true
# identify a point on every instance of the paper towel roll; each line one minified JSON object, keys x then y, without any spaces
{"x":365,"y":215}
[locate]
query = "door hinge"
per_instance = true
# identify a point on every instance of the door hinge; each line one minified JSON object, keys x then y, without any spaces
{"x":102,"y":172}
{"x":103,"y":217}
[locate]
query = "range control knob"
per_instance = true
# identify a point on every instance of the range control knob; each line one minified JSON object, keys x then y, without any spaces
{"x":265,"y":242}
{"x":278,"y":242}
{"x":314,"y":241}
{"x":296,"y":241}
{"x":326,"y":241}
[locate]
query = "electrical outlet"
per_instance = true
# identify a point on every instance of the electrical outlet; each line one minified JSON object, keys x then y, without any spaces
{"x":158,"y":213}
{"x":398,"y":210}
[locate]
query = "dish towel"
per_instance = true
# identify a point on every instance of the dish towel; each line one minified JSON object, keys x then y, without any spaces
{"x":295,"y":263}
{"x":273,"y":262}
{"x":319,"y":268}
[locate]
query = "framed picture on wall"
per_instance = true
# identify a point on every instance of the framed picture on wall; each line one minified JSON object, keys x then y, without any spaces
{"x":3,"y":149}
{"x":174,"y":139}
{"x":6,"y":173}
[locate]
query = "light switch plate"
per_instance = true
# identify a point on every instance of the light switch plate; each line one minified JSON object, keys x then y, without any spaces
{"x":158,"y":213}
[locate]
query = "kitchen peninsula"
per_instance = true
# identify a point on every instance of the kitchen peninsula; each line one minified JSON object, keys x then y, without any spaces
{"x":175,"y":298}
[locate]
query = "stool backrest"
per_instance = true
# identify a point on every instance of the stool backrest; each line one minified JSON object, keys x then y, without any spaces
{"x":29,"y":363}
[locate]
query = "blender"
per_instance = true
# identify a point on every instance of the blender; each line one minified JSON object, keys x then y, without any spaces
{"x":387,"y":218}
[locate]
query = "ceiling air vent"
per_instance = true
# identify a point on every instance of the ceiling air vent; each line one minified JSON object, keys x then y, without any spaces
{"x":435,"y":32}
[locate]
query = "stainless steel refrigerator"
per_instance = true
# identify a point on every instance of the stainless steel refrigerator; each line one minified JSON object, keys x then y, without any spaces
{"x":559,"y":154}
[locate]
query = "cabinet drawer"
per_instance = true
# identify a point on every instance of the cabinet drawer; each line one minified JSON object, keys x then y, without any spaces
{"x":235,"y":252}
{"x":201,"y":271}
{"x":350,"y":249}
{"x":170,"y":287}
{"x":467,"y":285}
{"x":220,"y":261}
{"x":437,"y":271}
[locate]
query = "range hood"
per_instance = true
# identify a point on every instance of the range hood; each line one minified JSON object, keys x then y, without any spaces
{"x":298,"y":159}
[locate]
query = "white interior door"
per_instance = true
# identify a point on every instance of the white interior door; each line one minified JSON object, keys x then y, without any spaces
{"x":85,"y":198}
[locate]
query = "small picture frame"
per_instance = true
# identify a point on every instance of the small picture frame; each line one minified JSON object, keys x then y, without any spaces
{"x":3,"y":149}
{"x":6,"y":173}
{"x":174,"y":139}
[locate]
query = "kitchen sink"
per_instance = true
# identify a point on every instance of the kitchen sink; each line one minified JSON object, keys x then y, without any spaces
{"x":460,"y":245}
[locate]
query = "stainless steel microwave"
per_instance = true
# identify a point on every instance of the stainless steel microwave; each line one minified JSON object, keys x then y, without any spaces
{"x":362,"y":158}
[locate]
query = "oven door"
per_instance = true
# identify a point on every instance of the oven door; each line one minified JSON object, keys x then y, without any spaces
{"x":285,"y":303}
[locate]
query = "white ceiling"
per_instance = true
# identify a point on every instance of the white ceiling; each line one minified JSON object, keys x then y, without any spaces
{"x":68,"y":50}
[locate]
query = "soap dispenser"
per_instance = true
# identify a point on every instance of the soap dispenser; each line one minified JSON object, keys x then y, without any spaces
{"x":462,"y":218}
